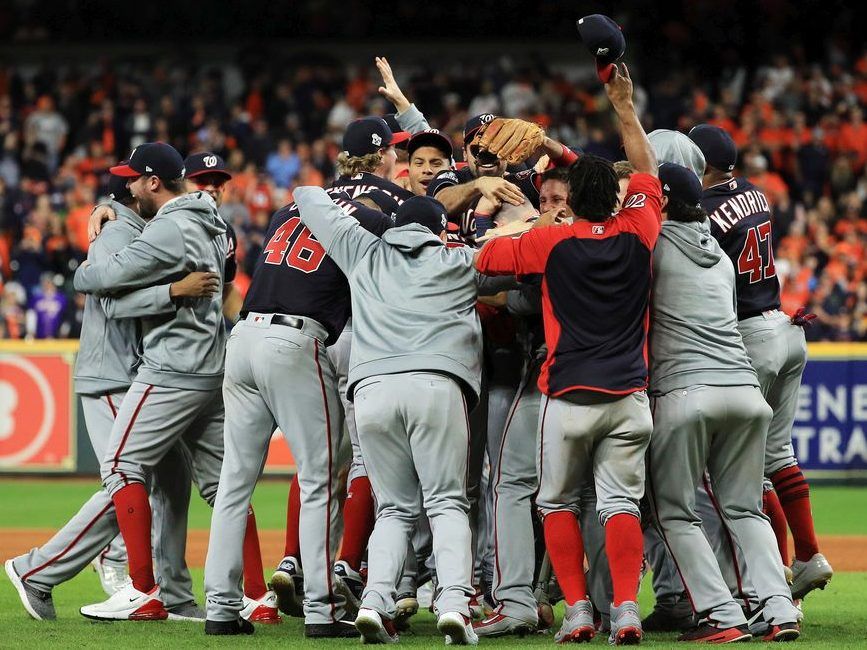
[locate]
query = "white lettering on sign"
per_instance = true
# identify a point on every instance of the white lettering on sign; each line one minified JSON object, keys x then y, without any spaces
{"x":859,"y":403}
{"x":805,"y":401}
{"x":829,"y":445}
{"x":857,"y":446}
{"x":831,"y":403}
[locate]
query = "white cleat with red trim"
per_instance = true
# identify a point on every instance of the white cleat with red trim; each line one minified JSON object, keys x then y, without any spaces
{"x":128,"y":604}
{"x":261,"y":610}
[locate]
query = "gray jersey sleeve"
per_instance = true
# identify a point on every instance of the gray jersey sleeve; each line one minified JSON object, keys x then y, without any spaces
{"x":490,"y":285}
{"x":412,"y":120}
{"x":343,"y":238}
{"x":156,"y":254}
{"x":526,"y":300}
{"x":150,"y":301}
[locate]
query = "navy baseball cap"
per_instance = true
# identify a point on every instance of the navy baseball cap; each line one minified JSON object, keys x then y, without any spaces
{"x":431,"y":138}
{"x":197,"y":164}
{"x":368,"y":135}
{"x":117,"y":189}
{"x":399,"y":137}
{"x":474,"y":124}
{"x":152,"y":159}
{"x":719,"y":150}
{"x":603,"y":37}
{"x":680,"y":183}
{"x":423,"y":210}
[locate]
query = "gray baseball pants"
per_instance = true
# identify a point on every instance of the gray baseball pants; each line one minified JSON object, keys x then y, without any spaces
{"x":277,"y":373}
{"x":414,"y":432}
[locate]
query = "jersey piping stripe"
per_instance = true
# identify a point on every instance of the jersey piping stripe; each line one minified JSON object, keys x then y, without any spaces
{"x":129,"y":427}
{"x":75,"y":541}
{"x":524,"y":385}
{"x":328,"y":497}
{"x":728,"y":535}
{"x":111,"y":406}
{"x":657,"y":522}
{"x":542,"y":443}
{"x":596,"y":389}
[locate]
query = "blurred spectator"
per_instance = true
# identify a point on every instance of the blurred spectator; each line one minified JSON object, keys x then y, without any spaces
{"x":46,"y":310}
{"x":283,"y":165}
{"x":48,"y":127}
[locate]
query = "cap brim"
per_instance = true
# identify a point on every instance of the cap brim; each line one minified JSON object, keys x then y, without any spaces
{"x":399,"y":136}
{"x":435,"y":140}
{"x":202,"y":172}
{"x":123,"y":170}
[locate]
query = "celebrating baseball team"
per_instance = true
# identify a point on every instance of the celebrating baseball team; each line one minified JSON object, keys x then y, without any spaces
{"x":555,"y":374}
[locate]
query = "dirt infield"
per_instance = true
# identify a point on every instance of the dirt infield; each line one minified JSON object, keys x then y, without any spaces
{"x":845,"y":552}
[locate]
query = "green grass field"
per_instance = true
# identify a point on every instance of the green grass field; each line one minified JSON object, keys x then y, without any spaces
{"x":836,"y":617}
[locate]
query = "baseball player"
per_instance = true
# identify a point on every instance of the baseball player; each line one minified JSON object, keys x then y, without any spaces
{"x":595,"y":412}
{"x":204,"y":172}
{"x":411,"y":401}
{"x":277,"y":370}
{"x":105,"y":366}
{"x":175,"y":390}
{"x":708,"y":411}
{"x":740,"y":220}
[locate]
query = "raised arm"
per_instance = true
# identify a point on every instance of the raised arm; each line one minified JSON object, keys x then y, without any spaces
{"x":342,"y":237}
{"x":635,"y":142}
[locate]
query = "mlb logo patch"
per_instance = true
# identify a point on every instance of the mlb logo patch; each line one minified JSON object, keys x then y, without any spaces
{"x":598,"y":230}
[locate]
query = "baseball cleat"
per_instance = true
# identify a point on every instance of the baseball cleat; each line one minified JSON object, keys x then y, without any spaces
{"x":38,"y":604}
{"x":578,"y":625}
{"x":707,"y":633}
{"x":545,"y":614}
{"x":261,"y":610}
{"x":406,"y":606}
{"x":342,"y":629}
{"x":674,"y":619}
{"x":783,"y":632}
{"x":189,"y":612}
{"x":479,"y":608}
{"x":625,"y":624}
{"x":500,"y":625}
{"x":113,"y":577}
{"x":228,"y":628}
{"x":288,"y":585}
{"x":350,"y":584}
{"x":128,"y":604}
{"x":457,"y":629}
{"x":815,"y":573}
{"x":373,"y":628}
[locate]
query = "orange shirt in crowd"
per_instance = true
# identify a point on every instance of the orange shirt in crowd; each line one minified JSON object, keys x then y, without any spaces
{"x":76,"y":226}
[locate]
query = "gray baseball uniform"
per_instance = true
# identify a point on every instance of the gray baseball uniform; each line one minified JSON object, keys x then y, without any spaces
{"x":106,"y":364}
{"x":410,"y":397}
{"x":708,"y":411}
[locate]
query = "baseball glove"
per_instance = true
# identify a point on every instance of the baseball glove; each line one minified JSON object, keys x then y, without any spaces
{"x":511,"y":140}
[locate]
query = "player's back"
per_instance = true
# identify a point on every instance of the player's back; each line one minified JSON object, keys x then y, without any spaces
{"x":741,"y":221}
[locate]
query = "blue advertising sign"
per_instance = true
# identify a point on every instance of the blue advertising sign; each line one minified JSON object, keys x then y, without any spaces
{"x":829,"y":433}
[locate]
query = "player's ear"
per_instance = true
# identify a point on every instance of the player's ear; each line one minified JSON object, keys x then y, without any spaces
{"x":664,"y":204}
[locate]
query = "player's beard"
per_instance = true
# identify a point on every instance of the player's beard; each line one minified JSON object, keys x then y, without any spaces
{"x":147,"y":207}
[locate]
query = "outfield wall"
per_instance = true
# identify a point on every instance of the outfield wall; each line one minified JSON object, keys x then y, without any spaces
{"x":42,"y":430}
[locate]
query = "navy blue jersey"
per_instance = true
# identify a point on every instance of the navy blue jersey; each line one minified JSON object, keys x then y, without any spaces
{"x":293,"y":275}
{"x":740,"y":219}
{"x":362,"y":183}
{"x":528,"y":182}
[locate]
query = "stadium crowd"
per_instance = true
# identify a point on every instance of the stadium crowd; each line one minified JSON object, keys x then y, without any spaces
{"x":800,"y":128}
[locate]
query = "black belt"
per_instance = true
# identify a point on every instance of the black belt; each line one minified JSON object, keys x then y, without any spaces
{"x":743,"y":315}
{"x":282,"y":319}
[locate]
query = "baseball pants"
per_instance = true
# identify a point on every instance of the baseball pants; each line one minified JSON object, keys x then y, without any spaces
{"x":721,"y":428}
{"x":414,"y":432}
{"x":277,"y":373}
{"x":593,"y":437}
{"x":778,"y":353}
{"x":93,"y":529}
{"x":338,"y":354}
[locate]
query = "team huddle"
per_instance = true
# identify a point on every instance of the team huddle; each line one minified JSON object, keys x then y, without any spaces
{"x":554,"y":372}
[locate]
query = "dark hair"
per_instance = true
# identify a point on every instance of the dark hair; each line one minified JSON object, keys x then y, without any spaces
{"x":556,"y":174}
{"x":677,"y":210}
{"x":174,"y":185}
{"x":593,"y":188}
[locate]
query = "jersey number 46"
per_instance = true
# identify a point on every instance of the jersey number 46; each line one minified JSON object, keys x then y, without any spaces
{"x":305,"y":253}
{"x":757,"y":256}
